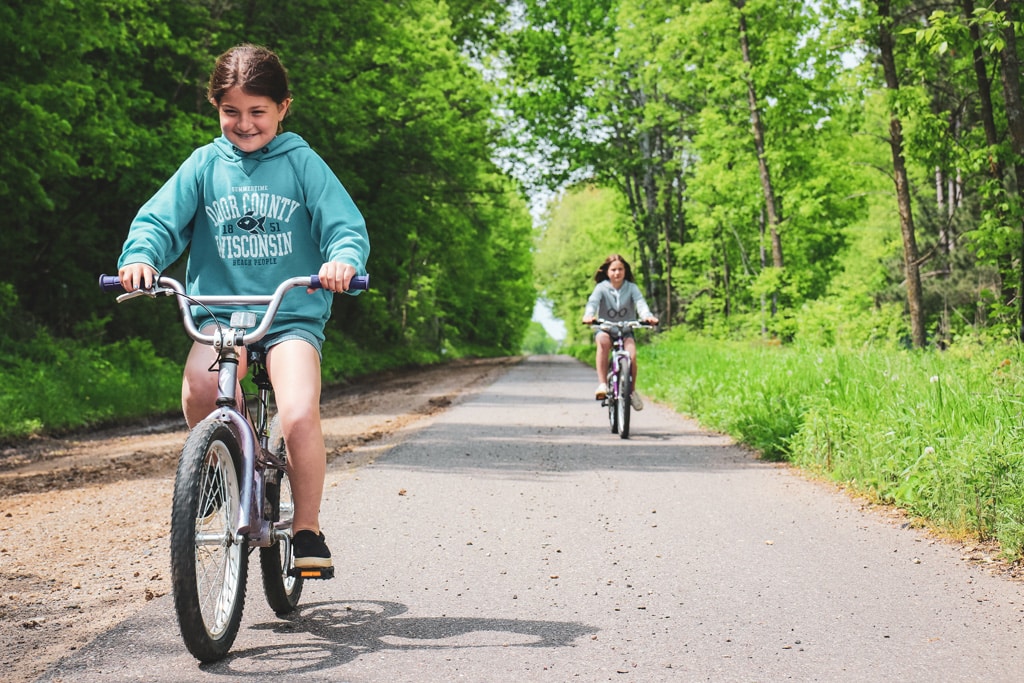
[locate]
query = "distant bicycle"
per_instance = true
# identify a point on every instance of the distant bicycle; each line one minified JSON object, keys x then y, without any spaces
{"x":231,"y":491}
{"x":620,"y":374}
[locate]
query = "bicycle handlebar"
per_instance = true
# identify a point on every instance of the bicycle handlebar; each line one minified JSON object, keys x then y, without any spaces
{"x":112,"y":283}
{"x":622,"y":324}
{"x":167,"y":286}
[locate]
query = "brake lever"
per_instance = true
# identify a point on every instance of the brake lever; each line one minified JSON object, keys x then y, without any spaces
{"x":153,"y":292}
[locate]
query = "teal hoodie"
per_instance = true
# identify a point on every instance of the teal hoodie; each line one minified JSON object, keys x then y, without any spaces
{"x":251,"y":221}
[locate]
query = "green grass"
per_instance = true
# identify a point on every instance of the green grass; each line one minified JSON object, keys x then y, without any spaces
{"x":937,"y":433}
{"x":79,"y":386}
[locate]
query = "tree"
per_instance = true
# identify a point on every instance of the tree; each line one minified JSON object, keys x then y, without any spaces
{"x":964,"y":136}
{"x":885,"y":43}
{"x":87,"y":96}
{"x":595,"y":105}
{"x":394,"y":105}
{"x":642,"y":97}
{"x":757,"y":129}
{"x":1011,"y":73}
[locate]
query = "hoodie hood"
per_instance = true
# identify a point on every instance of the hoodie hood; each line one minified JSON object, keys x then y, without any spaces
{"x":249,"y":161}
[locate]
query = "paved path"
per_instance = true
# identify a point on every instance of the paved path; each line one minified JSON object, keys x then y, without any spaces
{"x":516,"y":539}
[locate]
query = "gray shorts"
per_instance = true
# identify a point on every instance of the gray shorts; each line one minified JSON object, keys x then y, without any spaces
{"x":626,"y":334}
{"x":272,"y":339}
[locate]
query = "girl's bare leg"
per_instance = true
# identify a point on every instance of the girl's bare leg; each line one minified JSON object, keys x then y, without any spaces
{"x":294,"y":367}
{"x":604,"y":345}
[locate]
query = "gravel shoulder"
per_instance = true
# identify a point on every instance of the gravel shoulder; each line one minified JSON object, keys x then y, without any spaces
{"x":84,"y":519}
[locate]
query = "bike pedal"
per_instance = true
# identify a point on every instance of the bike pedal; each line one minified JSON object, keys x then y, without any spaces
{"x":312,"y":572}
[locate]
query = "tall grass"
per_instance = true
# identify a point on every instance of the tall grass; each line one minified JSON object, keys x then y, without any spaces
{"x":937,"y":433}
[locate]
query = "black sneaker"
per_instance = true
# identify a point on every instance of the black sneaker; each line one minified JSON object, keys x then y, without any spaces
{"x":311,"y":551}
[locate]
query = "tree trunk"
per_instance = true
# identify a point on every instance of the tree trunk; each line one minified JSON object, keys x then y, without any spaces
{"x":910,"y":256}
{"x":764,"y":264}
{"x":758,"y":130}
{"x":988,"y":121}
{"x":1015,"y":123}
{"x":667,"y":314}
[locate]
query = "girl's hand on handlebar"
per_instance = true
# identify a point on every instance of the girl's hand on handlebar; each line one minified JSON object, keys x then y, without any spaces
{"x":336,"y":276}
{"x":589,"y":320}
{"x":651,"y":321}
{"x":134,"y":276}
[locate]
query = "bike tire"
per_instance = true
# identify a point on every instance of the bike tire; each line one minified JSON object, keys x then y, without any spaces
{"x":208,"y":564}
{"x":281,"y":589}
{"x":625,"y":393}
{"x":613,"y":415}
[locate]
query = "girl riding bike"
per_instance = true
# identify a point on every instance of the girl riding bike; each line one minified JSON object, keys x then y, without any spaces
{"x":616,"y":297}
{"x":255,"y":207}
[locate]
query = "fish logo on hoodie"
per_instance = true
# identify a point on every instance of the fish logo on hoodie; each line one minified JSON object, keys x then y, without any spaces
{"x":251,"y":224}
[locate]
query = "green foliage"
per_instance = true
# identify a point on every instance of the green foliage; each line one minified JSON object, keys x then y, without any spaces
{"x":537,"y":340}
{"x":652,"y":103}
{"x":651,"y":100}
{"x":937,"y":433}
{"x":103,"y":99}
{"x":56,"y":385}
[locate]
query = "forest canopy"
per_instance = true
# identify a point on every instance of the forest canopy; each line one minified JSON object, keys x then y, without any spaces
{"x":103,"y":99}
{"x":823,"y":171}
{"x":835,"y":171}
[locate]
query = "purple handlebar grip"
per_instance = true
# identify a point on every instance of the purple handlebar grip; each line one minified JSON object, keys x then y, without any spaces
{"x":110,"y":283}
{"x":357,"y":282}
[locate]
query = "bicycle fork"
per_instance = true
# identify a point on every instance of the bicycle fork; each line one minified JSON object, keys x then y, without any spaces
{"x":613,"y":375}
{"x":250,"y":526}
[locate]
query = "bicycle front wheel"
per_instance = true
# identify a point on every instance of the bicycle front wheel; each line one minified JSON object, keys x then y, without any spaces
{"x":282,"y":589}
{"x":208,"y":564}
{"x":622,"y":402}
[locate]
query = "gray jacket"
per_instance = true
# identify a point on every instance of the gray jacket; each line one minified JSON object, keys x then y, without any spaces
{"x":626,"y":303}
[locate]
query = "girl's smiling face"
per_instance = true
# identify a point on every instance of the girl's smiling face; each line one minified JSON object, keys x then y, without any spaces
{"x":616,"y":273}
{"x":250,"y":122}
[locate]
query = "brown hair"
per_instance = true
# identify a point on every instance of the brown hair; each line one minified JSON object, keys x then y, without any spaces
{"x":254,"y":69}
{"x":602,"y":273}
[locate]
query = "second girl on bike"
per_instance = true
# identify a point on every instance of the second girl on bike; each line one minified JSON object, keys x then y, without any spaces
{"x":616,"y":297}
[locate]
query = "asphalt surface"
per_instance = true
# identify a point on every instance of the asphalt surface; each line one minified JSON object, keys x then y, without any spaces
{"x":515,"y":538}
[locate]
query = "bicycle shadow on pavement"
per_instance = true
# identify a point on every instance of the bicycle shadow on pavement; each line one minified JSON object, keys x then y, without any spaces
{"x":340,"y":632}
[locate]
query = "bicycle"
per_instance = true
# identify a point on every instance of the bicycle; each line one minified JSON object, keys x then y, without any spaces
{"x":620,"y":374}
{"x":231,"y":490}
